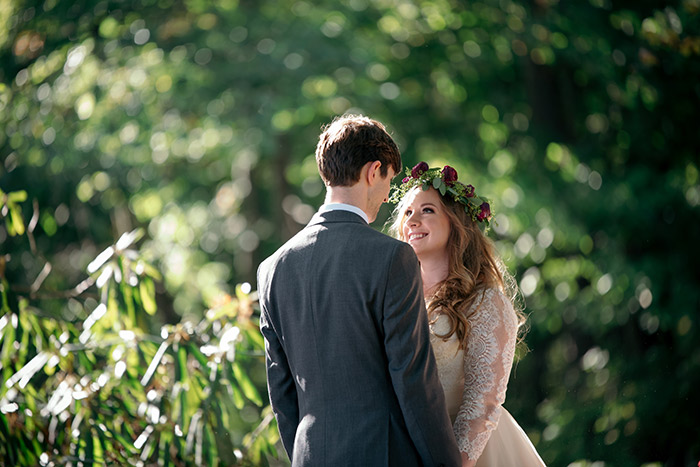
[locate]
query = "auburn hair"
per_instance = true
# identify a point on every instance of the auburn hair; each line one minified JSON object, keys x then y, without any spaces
{"x":474,"y":266}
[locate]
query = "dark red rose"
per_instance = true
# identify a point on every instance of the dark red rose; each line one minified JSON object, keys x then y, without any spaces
{"x":485,"y":212}
{"x":469,"y":191}
{"x":405,"y":180}
{"x":419,"y":169}
{"x":449,"y":175}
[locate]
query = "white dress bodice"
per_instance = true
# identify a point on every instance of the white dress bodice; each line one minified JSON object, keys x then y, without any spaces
{"x":475,"y":379}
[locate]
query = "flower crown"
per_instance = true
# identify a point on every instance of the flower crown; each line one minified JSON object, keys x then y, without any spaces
{"x":444,"y":181}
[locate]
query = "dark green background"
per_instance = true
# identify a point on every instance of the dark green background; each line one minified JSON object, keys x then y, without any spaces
{"x":197,"y":121}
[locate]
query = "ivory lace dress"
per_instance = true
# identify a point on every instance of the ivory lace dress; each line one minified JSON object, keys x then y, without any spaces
{"x":475,"y":384}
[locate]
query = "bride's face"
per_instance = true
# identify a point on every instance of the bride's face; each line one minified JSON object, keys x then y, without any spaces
{"x":426,"y":226}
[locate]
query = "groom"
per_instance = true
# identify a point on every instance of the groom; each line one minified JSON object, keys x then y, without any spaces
{"x":351,"y":377}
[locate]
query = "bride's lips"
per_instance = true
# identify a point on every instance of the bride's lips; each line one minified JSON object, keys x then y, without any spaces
{"x":415,"y":236}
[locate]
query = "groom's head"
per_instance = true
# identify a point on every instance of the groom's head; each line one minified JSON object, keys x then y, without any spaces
{"x":350,"y":142}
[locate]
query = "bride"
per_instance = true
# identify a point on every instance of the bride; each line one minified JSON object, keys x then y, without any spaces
{"x":473,"y":322}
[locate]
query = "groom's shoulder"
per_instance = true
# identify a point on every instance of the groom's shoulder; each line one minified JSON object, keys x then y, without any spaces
{"x":298,"y":242}
{"x":361,"y":238}
{"x":382,"y":244}
{"x":288,"y":246}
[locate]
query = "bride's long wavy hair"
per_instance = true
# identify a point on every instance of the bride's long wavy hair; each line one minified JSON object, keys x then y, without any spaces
{"x":474,"y":266}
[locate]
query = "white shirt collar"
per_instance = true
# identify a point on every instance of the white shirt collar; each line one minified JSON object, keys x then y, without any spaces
{"x":344,"y":207}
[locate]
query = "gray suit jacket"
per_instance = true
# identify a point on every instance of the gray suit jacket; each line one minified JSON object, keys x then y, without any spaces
{"x":351,"y":376}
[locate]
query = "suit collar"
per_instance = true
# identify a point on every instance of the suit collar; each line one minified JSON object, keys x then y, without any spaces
{"x":344,"y":207}
{"x":336,"y":216}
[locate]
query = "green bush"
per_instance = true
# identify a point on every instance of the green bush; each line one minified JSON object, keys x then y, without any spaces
{"x":95,"y":386}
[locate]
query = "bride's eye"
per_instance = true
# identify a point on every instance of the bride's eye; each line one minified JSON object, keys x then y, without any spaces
{"x":428,"y":210}
{"x":408,"y":212}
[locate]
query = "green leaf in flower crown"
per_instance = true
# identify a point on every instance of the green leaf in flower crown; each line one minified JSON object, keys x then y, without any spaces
{"x":442,"y":188}
{"x":436,"y":182}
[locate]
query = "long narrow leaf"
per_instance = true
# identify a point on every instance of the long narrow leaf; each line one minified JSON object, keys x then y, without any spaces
{"x":127,"y":291}
{"x":148,"y":295}
{"x":182,"y":364}
{"x":98,"y":446}
{"x":27,"y":371}
{"x":101,"y":259}
{"x":237,"y":396}
{"x":128,"y":238}
{"x":17,"y":221}
{"x":17,"y":196}
{"x":246,"y":385}
{"x":154,"y":363}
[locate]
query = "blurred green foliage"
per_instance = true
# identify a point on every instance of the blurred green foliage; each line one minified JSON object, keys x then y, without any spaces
{"x":103,"y":391}
{"x":197,"y":121}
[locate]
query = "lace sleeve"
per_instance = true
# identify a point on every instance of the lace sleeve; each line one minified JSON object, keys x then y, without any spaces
{"x":487,"y":363}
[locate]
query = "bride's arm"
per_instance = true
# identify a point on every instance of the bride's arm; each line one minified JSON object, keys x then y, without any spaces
{"x":487,"y":362}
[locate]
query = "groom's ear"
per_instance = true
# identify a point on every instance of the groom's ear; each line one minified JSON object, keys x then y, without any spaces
{"x":373,"y":173}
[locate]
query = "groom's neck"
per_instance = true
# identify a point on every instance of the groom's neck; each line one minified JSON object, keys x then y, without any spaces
{"x":347,"y":195}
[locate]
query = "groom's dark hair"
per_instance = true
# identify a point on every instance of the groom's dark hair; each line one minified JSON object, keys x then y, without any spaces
{"x":348,"y":143}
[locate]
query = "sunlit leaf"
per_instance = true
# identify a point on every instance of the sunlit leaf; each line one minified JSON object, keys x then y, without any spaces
{"x":246,"y":384}
{"x":149,"y":270}
{"x":183,"y":373}
{"x":238,"y":399}
{"x":127,"y":295}
{"x":17,"y":196}
{"x":127,"y":239}
{"x":254,"y":336}
{"x":201,"y":358}
{"x":147,"y":292}
{"x":101,"y":259}
{"x":17,"y":221}
{"x":154,"y":363}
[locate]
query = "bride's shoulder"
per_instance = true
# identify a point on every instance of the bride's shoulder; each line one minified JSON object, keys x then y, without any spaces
{"x":494,"y":295}
{"x":494,"y":302}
